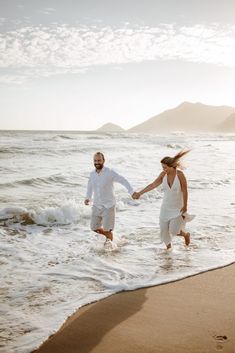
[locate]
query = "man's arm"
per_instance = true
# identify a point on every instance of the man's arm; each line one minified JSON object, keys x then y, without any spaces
{"x":123,"y":181}
{"x":88,"y":192}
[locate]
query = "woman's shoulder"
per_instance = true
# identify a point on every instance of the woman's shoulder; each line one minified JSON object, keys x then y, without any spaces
{"x":179,"y":172}
{"x":161,"y":175}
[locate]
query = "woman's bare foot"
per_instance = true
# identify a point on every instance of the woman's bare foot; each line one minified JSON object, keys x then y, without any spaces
{"x":187,"y":239}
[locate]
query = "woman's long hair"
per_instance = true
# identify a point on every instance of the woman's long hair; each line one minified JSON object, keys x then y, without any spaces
{"x":174,"y":162}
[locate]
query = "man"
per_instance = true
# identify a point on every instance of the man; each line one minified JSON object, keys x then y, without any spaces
{"x":100,"y":184}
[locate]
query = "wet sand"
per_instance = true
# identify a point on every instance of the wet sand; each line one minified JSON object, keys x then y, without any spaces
{"x":193,"y":315}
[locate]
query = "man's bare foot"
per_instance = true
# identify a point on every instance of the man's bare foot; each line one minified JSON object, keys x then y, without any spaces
{"x":100,"y":231}
{"x":187,"y":239}
{"x":108,"y":234}
{"x":168,"y":246}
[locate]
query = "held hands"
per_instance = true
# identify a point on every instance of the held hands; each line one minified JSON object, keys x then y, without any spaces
{"x":136,"y":195}
{"x":86,"y":202}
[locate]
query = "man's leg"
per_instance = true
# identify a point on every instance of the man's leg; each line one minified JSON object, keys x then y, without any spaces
{"x":96,"y":220}
{"x":108,"y":222}
{"x":105,"y":216}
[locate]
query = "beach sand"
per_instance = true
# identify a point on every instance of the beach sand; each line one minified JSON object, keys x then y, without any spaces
{"x":193,"y":315}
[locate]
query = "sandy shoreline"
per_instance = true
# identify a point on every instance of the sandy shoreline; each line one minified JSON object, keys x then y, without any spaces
{"x":193,"y":315}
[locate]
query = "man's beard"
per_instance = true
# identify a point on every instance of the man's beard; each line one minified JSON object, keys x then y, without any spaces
{"x":99,"y":166}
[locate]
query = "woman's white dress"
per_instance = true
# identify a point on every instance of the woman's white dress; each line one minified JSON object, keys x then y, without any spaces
{"x":171,"y":220}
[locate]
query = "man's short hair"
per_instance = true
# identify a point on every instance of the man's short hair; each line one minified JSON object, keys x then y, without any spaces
{"x":100,"y":154}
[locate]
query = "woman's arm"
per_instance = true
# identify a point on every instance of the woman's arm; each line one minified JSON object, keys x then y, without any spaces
{"x":184,"y":188}
{"x":151,"y":186}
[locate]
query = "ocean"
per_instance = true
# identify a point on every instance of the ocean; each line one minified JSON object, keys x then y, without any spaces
{"x":55,"y":265}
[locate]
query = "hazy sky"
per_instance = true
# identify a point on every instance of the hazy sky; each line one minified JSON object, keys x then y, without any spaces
{"x":75,"y":65}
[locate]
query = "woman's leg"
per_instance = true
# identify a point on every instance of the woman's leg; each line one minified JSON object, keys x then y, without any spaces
{"x":164,"y":233}
{"x":186,"y":236}
{"x":177,"y":227}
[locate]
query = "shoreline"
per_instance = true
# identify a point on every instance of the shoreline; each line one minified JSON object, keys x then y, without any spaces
{"x":195,"y":314}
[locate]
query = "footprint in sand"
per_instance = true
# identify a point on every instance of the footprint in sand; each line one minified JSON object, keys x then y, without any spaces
{"x":220,"y":341}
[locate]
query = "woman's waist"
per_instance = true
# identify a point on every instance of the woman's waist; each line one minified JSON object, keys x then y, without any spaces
{"x":172,"y":203}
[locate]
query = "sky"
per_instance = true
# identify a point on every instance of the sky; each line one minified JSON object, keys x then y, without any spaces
{"x":76,"y":65}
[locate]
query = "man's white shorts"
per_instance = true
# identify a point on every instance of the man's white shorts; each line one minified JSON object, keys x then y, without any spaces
{"x":103,"y":217}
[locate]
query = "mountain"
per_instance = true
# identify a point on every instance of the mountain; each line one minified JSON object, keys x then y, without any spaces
{"x":109,"y":127}
{"x":187,"y":117}
{"x":228,"y":124}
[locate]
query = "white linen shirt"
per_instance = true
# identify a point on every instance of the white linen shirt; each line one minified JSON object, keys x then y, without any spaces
{"x":101,"y":185}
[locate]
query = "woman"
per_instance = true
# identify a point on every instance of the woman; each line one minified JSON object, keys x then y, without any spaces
{"x":173,"y":213}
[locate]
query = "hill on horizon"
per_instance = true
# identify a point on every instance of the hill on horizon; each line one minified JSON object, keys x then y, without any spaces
{"x":110,"y":127}
{"x":187,"y":117}
{"x":228,"y":125}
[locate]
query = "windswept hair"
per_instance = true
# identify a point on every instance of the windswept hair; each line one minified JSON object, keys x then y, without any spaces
{"x":100,"y":154}
{"x":175,"y":161}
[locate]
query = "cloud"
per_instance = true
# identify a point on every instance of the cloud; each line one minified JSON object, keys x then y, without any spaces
{"x":2,"y":20}
{"x":12,"y":79}
{"x":69,"y":49}
{"x":47,"y":10}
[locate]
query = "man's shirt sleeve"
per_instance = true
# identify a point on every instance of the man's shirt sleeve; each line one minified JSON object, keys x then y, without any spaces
{"x":123,"y":181}
{"x":89,"y":189}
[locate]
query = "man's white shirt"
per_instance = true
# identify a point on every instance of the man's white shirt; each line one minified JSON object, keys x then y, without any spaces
{"x":101,"y":186}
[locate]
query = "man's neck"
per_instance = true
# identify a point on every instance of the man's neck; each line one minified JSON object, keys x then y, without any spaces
{"x":99,"y":170}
